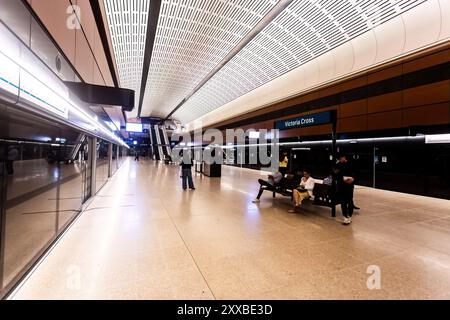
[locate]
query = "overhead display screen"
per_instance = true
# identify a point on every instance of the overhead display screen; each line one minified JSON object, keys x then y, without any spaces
{"x":134,"y":127}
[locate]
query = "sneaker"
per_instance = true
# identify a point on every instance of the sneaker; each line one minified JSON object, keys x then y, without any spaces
{"x":256,"y":201}
{"x":192,"y":188}
{"x":346,"y":221}
{"x":295,"y":210}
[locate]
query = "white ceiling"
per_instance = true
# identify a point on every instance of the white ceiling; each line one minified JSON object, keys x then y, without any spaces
{"x":193,"y":36}
{"x":304,"y":31}
{"x":127,"y":20}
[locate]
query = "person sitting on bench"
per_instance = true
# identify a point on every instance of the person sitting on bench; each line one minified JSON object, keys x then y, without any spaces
{"x":273,"y":179}
{"x":304,"y":190}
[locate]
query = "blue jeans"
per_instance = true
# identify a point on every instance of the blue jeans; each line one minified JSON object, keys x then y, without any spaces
{"x":187,"y":178}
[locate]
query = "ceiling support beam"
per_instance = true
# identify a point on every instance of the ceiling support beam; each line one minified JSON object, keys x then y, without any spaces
{"x":152,"y":25}
{"x":268,"y":18}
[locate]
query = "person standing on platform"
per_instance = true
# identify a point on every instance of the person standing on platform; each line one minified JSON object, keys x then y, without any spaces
{"x":136,"y":155}
{"x":345,"y":182}
{"x":284,"y":163}
{"x":186,"y":173}
{"x":13,"y":155}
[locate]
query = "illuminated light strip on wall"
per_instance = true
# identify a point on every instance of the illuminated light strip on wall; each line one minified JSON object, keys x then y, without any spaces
{"x":34,"y":86}
{"x":10,"y":83}
{"x":8,"y":71}
{"x":96,"y":125}
{"x":328,"y":142}
{"x":437,"y":138}
{"x":35,"y":91}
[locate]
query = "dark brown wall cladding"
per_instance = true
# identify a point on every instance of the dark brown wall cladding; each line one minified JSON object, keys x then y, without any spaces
{"x":352,"y":124}
{"x":384,"y":120}
{"x":386,"y":73}
{"x":427,"y":94}
{"x":427,"y":61}
{"x":308,"y":131}
{"x":413,"y":91}
{"x":427,"y":115}
{"x":353,"y":108}
{"x":385,"y":102}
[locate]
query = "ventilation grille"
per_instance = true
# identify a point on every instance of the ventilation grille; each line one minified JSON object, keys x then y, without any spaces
{"x":304,"y":31}
{"x":127,"y":20}
{"x":192,"y":37}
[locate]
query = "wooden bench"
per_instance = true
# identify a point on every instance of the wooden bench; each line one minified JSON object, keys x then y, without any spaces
{"x":285,"y":188}
{"x":322,"y":193}
{"x":323,"y":196}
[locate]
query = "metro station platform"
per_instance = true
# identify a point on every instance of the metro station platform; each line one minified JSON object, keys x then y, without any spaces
{"x":142,"y":237}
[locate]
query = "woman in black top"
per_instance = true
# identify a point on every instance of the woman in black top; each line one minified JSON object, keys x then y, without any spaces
{"x":345,"y":182}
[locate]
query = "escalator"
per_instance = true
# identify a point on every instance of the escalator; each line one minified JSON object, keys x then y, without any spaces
{"x":166,"y":143}
{"x":163,"y":142}
{"x":77,"y":147}
{"x":159,"y":143}
{"x":154,"y":139}
{"x":152,"y":144}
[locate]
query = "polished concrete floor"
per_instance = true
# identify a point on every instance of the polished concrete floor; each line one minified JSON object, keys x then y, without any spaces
{"x":143,"y":237}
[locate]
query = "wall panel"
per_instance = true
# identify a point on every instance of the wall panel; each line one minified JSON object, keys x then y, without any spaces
{"x":384,"y":120}
{"x":386,"y":73}
{"x":353,"y":108}
{"x":84,"y":61}
{"x":427,"y":94}
{"x":87,"y":19}
{"x":384,"y":102}
{"x":352,"y":124}
{"x":427,"y":115}
{"x":427,"y":61}
{"x":80,"y":47}
{"x":53,"y":15}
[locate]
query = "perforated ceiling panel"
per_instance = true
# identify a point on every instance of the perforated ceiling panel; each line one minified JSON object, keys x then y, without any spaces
{"x":192,"y":37}
{"x":302,"y":32}
{"x":127,"y":20}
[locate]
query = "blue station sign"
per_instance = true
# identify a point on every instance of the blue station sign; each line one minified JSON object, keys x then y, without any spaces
{"x":307,"y":121}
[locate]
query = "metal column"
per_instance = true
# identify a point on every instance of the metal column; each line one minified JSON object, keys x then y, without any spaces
{"x":333,"y":152}
{"x":93,"y":159}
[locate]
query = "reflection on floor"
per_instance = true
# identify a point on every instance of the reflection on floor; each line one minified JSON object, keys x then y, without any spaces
{"x":144,"y":238}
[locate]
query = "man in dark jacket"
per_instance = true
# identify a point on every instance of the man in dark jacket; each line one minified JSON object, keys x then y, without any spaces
{"x":136,"y":155}
{"x":345,"y":182}
{"x":186,"y":173}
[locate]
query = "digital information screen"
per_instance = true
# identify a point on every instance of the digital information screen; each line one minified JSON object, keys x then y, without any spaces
{"x":134,"y":127}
